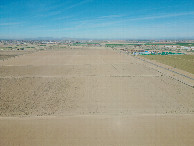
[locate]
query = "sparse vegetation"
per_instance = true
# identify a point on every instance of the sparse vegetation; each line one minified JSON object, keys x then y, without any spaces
{"x":183,"y":62}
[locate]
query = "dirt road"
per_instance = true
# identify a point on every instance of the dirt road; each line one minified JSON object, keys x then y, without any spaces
{"x":91,"y":97}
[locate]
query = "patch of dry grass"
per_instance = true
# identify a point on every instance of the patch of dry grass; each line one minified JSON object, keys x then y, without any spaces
{"x":183,"y":62}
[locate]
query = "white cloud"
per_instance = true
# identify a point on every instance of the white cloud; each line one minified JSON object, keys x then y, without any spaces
{"x":78,"y":4}
{"x":163,"y":16}
{"x":10,"y":23}
{"x":111,"y":16}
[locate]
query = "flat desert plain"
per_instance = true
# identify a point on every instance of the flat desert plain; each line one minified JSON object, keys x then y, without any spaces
{"x":92,"y":96}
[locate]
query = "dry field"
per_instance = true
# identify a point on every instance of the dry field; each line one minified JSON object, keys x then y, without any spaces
{"x":91,"y":97}
{"x":8,"y":54}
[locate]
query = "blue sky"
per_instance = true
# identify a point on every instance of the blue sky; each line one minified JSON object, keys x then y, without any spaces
{"x":97,"y":19}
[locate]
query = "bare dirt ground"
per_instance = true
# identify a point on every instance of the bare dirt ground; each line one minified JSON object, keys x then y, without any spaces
{"x":9,"y":53}
{"x":91,"y":97}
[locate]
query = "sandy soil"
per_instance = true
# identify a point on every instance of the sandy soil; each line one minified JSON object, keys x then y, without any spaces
{"x":80,"y":89}
{"x":135,"y":130}
{"x":8,"y":54}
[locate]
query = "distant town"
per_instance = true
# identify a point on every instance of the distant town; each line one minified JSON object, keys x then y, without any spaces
{"x":135,"y":47}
